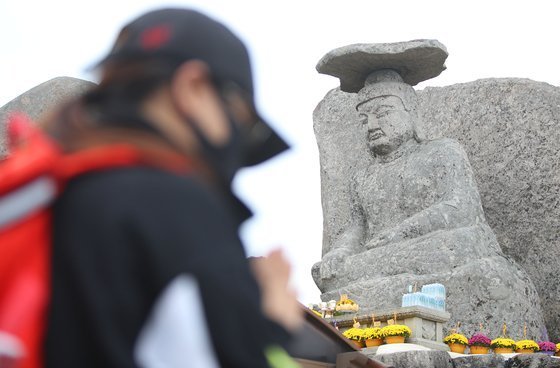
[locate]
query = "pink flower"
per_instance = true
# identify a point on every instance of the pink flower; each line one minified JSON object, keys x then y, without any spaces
{"x":547,"y":346}
{"x":479,"y":339}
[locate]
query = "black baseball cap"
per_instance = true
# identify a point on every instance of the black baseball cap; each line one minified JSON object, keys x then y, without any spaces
{"x":179,"y":35}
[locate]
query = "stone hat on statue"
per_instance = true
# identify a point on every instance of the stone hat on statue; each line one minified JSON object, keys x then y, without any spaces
{"x":414,"y":61}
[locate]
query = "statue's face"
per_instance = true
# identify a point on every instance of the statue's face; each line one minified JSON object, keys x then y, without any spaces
{"x":387,"y":123}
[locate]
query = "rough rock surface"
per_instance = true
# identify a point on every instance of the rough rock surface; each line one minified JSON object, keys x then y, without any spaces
{"x":482,"y":285}
{"x":41,"y":99}
{"x":342,"y":151}
{"x":480,"y":361}
{"x":440,"y":359}
{"x":510,"y":129}
{"x":532,"y":361}
{"x":417,"y":359}
{"x":415,"y":61}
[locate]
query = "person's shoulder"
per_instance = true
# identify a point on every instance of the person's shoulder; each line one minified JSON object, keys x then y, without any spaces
{"x":140,"y":186}
{"x":136,"y":178}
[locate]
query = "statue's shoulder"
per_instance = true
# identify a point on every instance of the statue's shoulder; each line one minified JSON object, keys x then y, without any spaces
{"x":449,"y":149}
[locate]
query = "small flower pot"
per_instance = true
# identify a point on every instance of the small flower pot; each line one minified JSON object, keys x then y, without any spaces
{"x":476,"y":349}
{"x":373,"y":342}
{"x":394,"y":339}
{"x":557,"y":353}
{"x":524,"y":351}
{"x":457,"y":348}
{"x":549,"y":353}
{"x":503,"y":350}
{"x":359,"y":344}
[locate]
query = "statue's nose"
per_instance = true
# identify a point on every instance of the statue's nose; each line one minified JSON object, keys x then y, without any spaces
{"x":373,"y":123}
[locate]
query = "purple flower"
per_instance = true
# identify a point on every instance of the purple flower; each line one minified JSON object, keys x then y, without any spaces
{"x":547,"y":346}
{"x":479,"y":339}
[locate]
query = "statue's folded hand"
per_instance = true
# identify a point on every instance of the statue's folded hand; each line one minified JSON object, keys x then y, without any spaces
{"x":333,"y":262}
{"x":383,"y":238}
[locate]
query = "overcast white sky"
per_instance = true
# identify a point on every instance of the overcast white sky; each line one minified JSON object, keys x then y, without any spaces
{"x":40,"y":40}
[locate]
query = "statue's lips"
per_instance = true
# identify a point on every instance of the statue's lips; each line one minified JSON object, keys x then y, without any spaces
{"x":376,"y":134}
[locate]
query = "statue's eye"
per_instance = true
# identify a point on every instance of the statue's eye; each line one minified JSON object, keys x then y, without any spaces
{"x":383,"y":113}
{"x":363,"y":119}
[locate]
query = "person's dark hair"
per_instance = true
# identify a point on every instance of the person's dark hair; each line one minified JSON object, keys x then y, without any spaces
{"x":113,"y":103}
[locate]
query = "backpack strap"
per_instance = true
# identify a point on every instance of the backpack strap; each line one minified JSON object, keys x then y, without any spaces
{"x":117,"y":155}
{"x":38,"y":155}
{"x":32,"y":156}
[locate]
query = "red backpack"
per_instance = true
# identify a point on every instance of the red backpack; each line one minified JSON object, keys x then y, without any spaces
{"x":31,"y":178}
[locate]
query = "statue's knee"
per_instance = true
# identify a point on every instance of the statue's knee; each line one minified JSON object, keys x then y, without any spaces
{"x":316,"y":274}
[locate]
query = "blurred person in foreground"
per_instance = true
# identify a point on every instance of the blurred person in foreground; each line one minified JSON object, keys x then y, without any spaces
{"x":148,"y":269}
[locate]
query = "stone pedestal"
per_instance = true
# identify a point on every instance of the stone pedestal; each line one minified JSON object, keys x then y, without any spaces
{"x":426,"y":324}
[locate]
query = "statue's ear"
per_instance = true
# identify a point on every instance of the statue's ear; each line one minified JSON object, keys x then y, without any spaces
{"x":417,"y":137}
{"x":417,"y":133}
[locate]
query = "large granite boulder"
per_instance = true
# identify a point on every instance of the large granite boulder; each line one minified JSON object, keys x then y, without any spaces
{"x":510,"y":129}
{"x":479,"y":361}
{"x":440,"y":359}
{"x":532,"y":361}
{"x":40,"y":100}
{"x":417,"y":359}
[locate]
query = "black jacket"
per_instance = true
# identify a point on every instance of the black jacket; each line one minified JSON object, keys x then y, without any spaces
{"x":130,"y":246}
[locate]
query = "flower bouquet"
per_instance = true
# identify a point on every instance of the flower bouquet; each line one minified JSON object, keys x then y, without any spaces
{"x":502,"y":345}
{"x":395,"y":333}
{"x":547,"y":347}
{"x":373,"y":336}
{"x":356,"y":335}
{"x":526,"y":346}
{"x":346,"y":305}
{"x":456,"y":342}
{"x":479,"y":343}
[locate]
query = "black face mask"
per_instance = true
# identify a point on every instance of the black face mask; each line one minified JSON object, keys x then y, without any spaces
{"x":245,"y":147}
{"x":225,"y":159}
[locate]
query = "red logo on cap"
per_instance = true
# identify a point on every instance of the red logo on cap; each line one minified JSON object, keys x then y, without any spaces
{"x":154,"y":37}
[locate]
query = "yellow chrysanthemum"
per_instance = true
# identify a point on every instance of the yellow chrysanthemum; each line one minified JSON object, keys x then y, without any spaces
{"x":526,"y":344}
{"x":373,"y":333}
{"x":456,"y":338}
{"x":501,"y":342}
{"x":354,"y":334}
{"x":396,"y":330}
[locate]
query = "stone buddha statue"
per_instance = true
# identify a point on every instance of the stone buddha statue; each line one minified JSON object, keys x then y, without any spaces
{"x":416,"y":217}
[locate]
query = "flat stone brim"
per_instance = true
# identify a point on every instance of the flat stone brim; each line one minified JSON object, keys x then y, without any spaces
{"x":415,"y":61}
